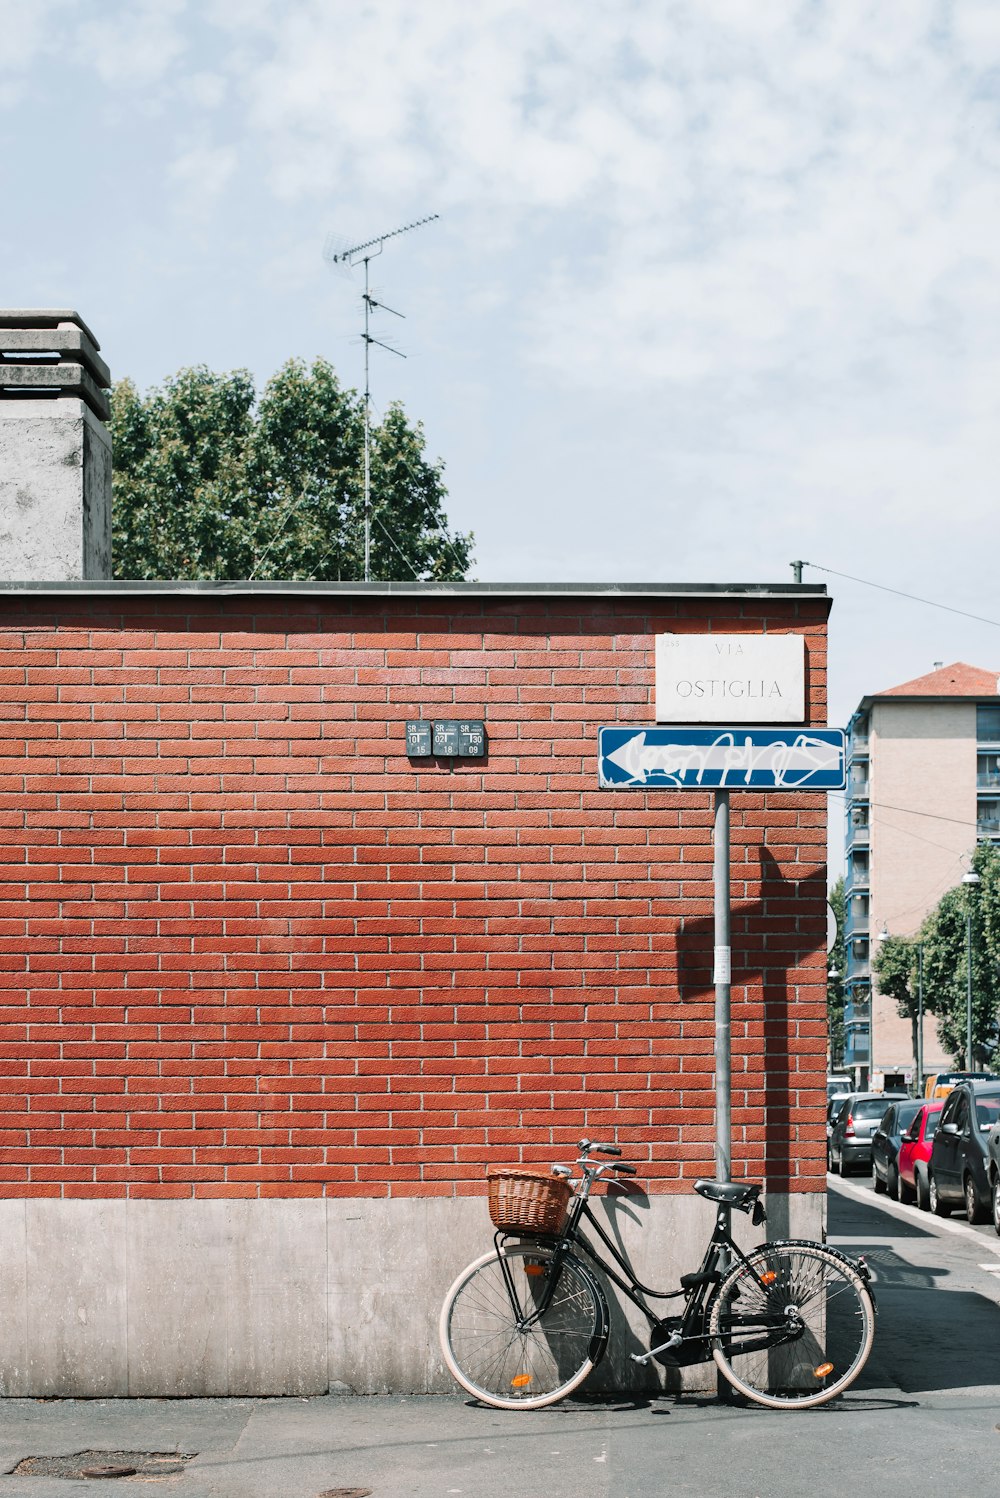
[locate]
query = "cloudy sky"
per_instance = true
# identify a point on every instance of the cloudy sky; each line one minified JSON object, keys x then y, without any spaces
{"x":713,"y":288}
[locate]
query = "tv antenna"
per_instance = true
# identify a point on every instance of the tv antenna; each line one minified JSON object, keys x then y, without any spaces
{"x":355,"y":255}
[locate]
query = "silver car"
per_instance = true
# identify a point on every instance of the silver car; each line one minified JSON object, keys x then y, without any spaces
{"x":850,"y":1145}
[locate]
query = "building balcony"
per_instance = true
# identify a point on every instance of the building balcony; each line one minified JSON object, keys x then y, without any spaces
{"x":988,"y":780}
{"x":856,"y":1047}
{"x":858,"y":836}
{"x":856,"y":925}
{"x":857,"y":1014}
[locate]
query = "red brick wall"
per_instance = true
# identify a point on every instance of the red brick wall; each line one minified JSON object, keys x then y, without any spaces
{"x":248,"y":948}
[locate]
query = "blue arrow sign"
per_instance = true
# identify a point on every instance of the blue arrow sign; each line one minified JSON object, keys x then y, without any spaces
{"x":761,"y":759}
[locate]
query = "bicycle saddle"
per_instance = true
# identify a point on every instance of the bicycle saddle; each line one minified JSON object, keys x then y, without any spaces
{"x":731,"y":1193}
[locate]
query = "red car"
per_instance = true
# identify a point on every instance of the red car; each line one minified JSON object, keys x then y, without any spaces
{"x":914,"y":1154}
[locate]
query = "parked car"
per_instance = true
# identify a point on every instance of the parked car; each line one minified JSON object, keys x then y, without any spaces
{"x":835,"y":1084}
{"x":993,"y":1172}
{"x":832,"y":1109}
{"x":915,"y":1154}
{"x":957,"y":1172}
{"x":886,"y":1141}
{"x":939,"y":1084}
{"x":850,"y":1146}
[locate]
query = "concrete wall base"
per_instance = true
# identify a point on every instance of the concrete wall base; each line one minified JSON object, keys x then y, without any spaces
{"x":132,"y":1298}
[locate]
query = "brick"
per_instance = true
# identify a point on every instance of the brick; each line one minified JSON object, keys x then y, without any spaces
{"x":241,"y":929}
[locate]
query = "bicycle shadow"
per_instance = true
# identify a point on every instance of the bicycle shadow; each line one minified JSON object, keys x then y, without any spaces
{"x":621,"y":1208}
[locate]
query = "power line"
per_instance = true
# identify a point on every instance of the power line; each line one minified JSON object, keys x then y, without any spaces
{"x":912,"y":811}
{"x":883,"y":588}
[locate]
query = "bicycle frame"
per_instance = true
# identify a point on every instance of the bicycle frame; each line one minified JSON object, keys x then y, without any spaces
{"x":685,"y":1342}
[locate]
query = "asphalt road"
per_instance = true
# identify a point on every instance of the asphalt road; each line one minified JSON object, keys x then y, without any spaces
{"x":866,"y":1184}
{"x":924,"y":1418}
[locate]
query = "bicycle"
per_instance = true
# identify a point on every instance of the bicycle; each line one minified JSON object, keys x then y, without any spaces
{"x":790,"y":1325}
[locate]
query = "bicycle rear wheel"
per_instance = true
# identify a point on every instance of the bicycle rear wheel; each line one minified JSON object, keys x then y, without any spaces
{"x":813,"y":1311}
{"x":498,"y":1348}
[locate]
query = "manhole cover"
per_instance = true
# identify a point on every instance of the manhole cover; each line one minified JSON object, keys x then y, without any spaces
{"x":147,"y":1465}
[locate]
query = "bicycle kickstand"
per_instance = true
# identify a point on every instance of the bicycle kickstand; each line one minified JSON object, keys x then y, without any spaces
{"x":674,"y":1340}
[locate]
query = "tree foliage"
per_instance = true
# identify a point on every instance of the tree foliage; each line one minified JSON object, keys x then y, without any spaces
{"x":836,"y":963}
{"x":966,"y":916}
{"x":209,"y":482}
{"x":895,"y":966}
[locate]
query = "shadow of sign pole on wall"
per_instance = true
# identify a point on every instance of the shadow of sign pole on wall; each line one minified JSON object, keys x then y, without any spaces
{"x":721,"y":759}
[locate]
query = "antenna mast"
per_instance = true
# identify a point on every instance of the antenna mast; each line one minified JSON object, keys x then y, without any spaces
{"x":362,"y":253}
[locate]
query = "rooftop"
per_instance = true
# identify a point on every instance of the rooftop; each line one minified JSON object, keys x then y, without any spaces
{"x":956,"y":680}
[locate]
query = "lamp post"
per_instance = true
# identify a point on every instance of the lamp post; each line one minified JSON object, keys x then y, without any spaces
{"x":920,"y":1019}
{"x":883,"y":935}
{"x":971,"y":879}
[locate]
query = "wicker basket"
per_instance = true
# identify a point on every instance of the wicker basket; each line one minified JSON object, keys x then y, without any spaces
{"x":528,"y":1201}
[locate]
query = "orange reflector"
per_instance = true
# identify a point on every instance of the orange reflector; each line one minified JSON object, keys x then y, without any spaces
{"x":534,"y":1269}
{"x":520,"y":1381}
{"x":823,"y":1370}
{"x":769,"y":1278}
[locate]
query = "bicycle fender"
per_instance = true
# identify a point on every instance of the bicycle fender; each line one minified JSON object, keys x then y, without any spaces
{"x":858,"y":1265}
{"x":599,"y":1342}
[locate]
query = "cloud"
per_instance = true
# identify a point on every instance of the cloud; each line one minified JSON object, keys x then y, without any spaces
{"x":201,"y":174}
{"x":133,"y":45}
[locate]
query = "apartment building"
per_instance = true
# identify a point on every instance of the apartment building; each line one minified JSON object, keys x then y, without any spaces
{"x":923,"y":788}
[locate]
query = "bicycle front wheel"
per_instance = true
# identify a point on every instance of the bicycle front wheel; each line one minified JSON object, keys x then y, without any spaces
{"x":792,"y":1327}
{"x":498,"y":1346}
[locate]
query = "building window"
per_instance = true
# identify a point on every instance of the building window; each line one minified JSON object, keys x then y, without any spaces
{"x":988,"y":771}
{"x":988,"y":818}
{"x":988,"y":723}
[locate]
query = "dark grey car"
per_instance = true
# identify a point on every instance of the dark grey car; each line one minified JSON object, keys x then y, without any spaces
{"x":850,"y":1145}
{"x":886,"y":1141}
{"x":993,"y":1172}
{"x":958,"y":1174}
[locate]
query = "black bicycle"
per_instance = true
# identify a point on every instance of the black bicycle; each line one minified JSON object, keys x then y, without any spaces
{"x":790,"y":1324}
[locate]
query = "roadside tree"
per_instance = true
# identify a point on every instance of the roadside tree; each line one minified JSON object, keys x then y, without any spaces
{"x":836,"y":964}
{"x":210,"y":482}
{"x":967,"y":916}
{"x":895,"y":967}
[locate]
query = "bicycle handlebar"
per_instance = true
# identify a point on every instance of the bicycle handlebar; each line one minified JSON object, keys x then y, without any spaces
{"x":593,"y":1170}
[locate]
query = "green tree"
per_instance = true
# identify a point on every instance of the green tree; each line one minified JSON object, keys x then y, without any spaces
{"x":836,"y":963}
{"x":963,"y":912}
{"x":895,"y":967}
{"x":209,"y":482}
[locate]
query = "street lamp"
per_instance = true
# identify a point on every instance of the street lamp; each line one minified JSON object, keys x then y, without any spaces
{"x":971,"y":879}
{"x":920,"y":1019}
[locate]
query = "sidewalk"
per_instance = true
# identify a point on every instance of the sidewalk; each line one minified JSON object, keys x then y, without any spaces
{"x":925,"y":1413}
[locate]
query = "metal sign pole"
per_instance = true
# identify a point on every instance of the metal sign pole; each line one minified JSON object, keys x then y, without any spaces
{"x":722,"y":975}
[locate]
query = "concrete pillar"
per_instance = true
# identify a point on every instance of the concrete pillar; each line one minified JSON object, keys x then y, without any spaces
{"x":55,"y":451}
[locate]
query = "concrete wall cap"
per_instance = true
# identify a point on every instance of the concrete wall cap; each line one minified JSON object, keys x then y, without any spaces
{"x":43,"y":317}
{"x":66,"y":379}
{"x":72,"y":344}
{"x":792,"y":592}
